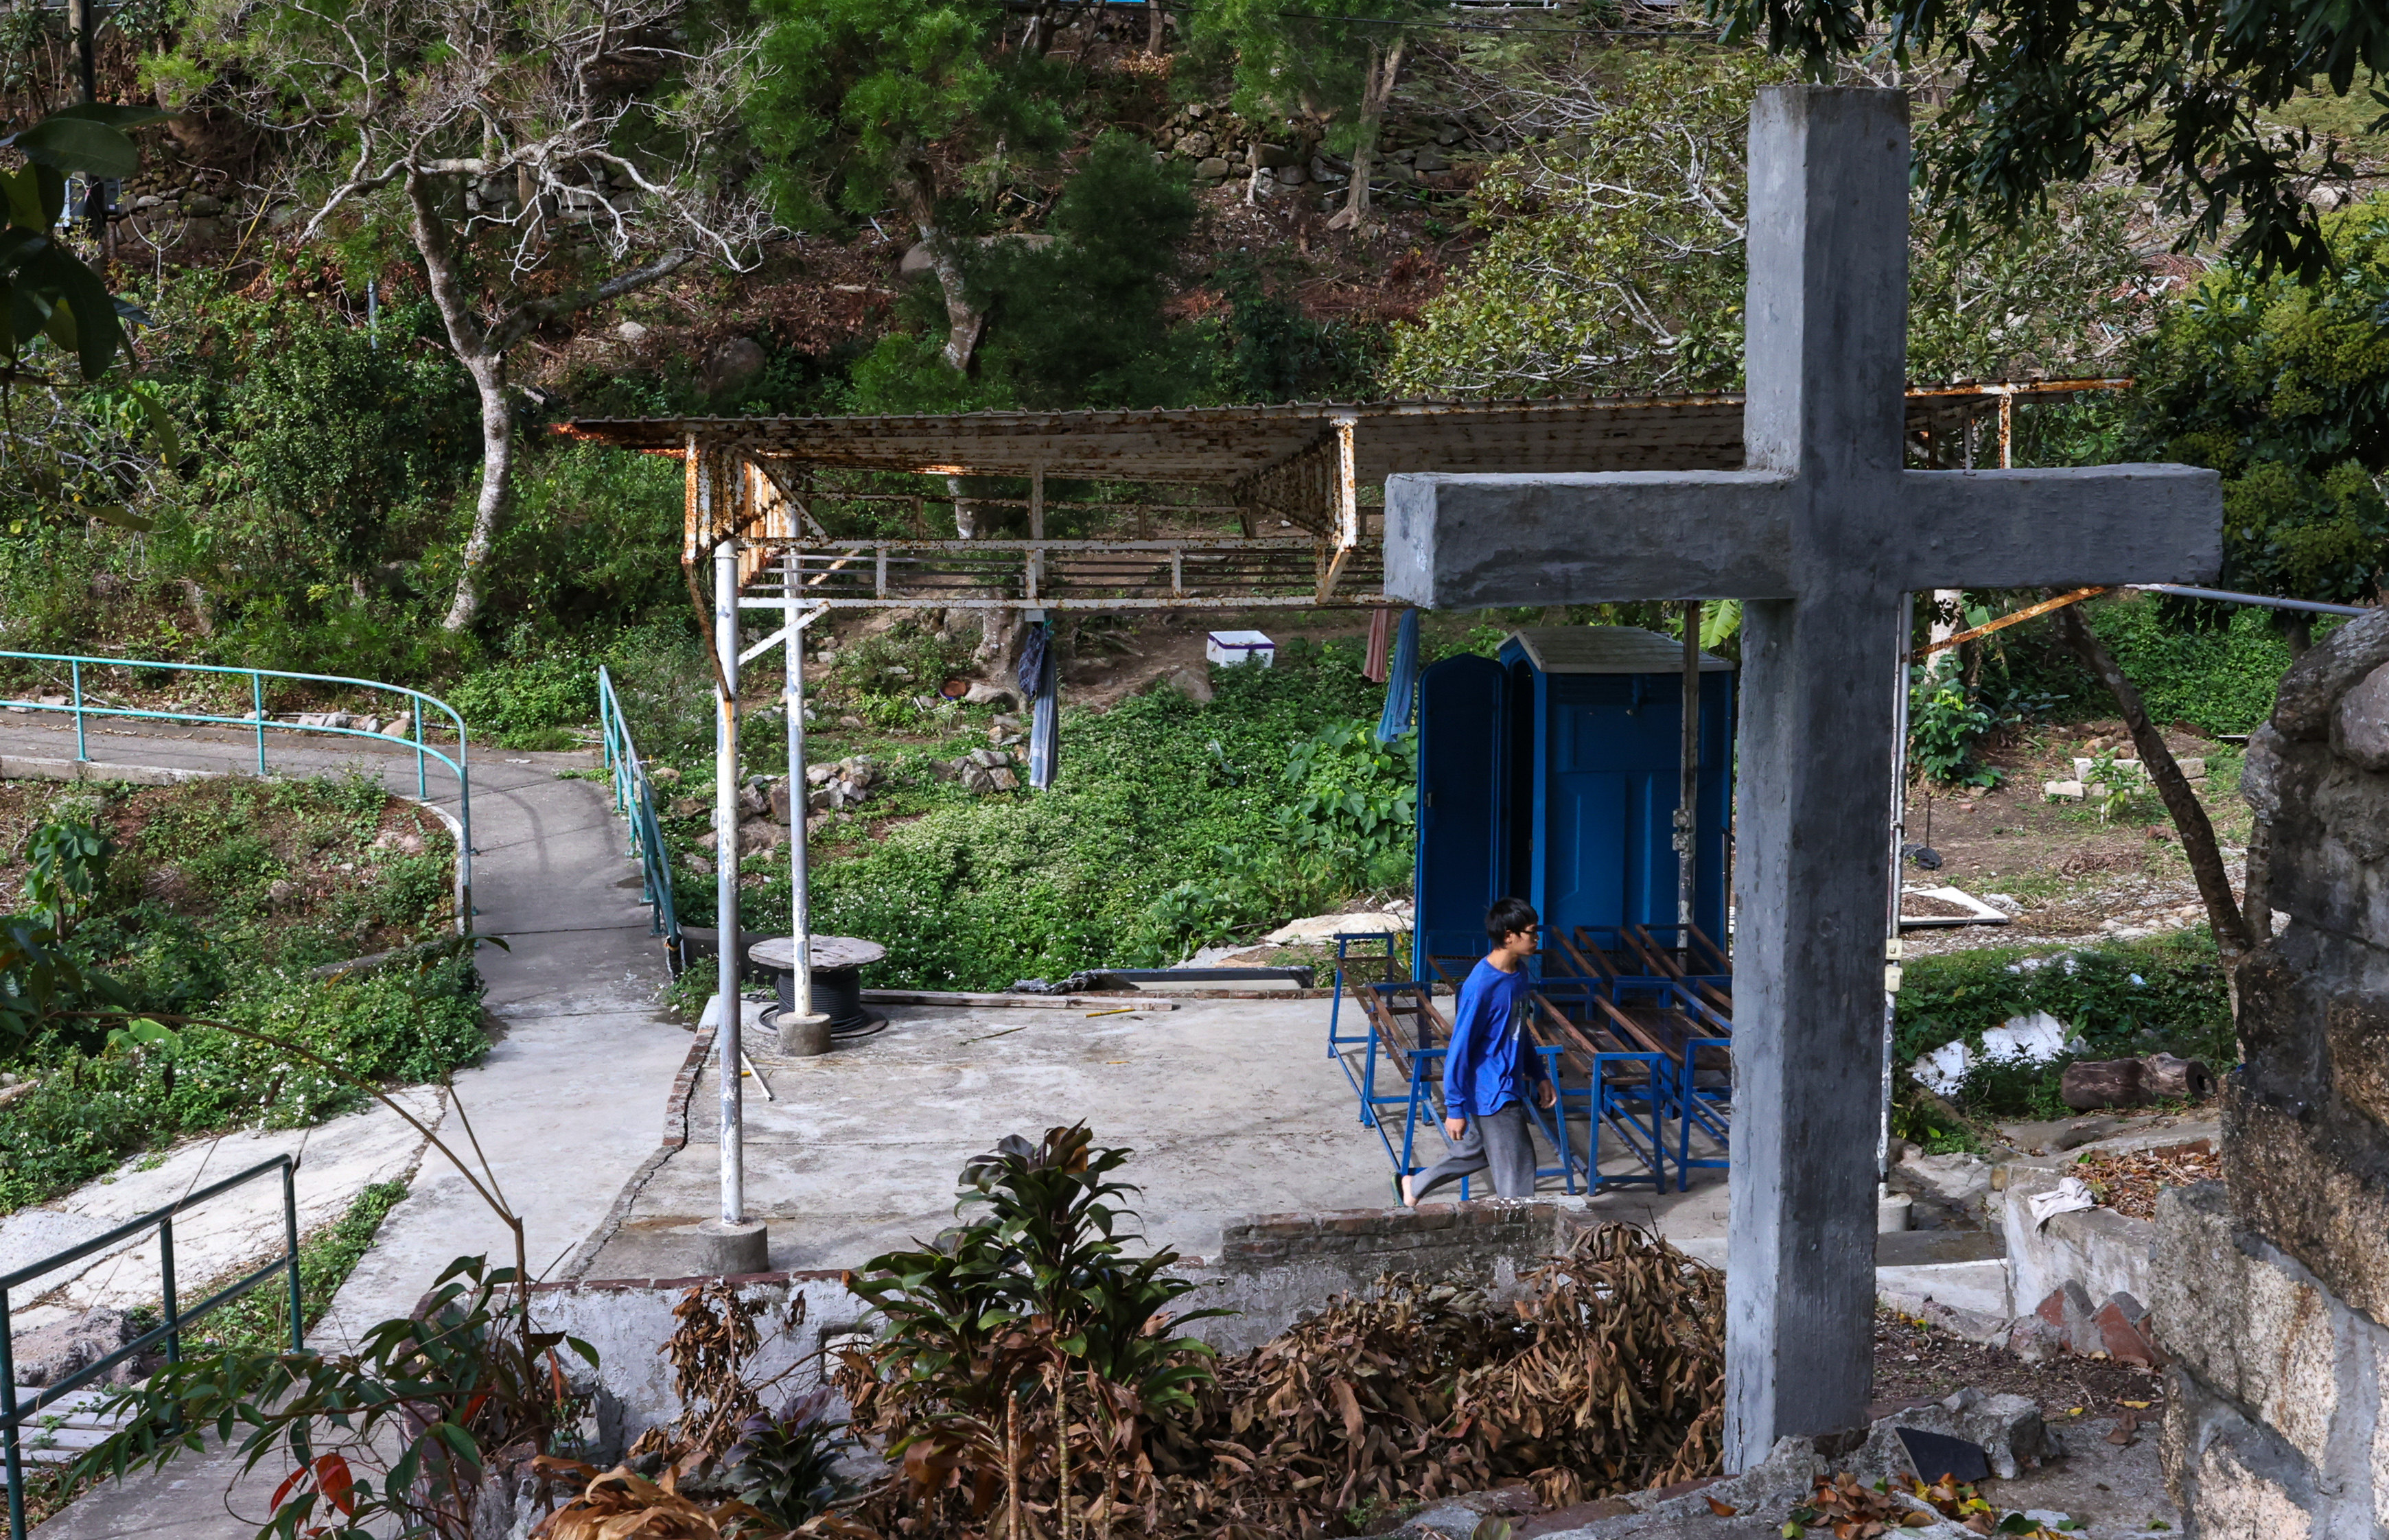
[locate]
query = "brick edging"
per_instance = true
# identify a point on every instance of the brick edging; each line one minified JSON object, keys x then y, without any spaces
{"x":683,"y":1087}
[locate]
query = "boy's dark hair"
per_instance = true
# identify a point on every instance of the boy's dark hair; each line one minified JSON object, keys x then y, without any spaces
{"x":1508,"y":915}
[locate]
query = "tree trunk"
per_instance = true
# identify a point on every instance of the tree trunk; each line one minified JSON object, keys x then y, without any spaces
{"x":470,"y":342}
{"x":497,"y":485}
{"x":964,"y":323}
{"x":965,"y":510}
{"x":2190,"y":820}
{"x":1376,"y":91}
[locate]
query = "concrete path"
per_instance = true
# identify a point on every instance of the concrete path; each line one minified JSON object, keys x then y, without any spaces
{"x":565,"y":1104}
{"x":1232,"y":1106}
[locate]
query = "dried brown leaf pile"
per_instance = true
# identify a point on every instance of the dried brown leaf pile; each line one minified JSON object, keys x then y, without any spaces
{"x":2129,"y":1183}
{"x":623,"y":1505}
{"x":1608,"y":1376}
{"x":1845,"y":1509}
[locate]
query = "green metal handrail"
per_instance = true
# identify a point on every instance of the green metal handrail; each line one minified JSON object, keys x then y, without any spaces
{"x":635,"y":798}
{"x":80,"y":708}
{"x":14,"y":1414}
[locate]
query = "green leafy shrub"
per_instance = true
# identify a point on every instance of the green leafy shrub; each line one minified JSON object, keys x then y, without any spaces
{"x":590,"y":546}
{"x":665,"y":686}
{"x":514,"y":700}
{"x":1031,"y":1304}
{"x":2220,"y":677}
{"x":66,"y":863}
{"x":89,"y":1112}
{"x":2277,"y":384}
{"x":2121,"y":999}
{"x":925,"y":658}
{"x":1356,"y":800}
{"x":2118,"y":794}
{"x":1946,"y":723}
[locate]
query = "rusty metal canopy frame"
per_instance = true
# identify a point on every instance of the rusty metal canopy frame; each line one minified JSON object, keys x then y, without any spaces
{"x":1291,"y":475}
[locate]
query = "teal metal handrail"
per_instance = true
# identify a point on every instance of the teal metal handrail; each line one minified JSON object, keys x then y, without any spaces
{"x":15,"y":1414}
{"x":635,"y":798}
{"x":80,"y":708}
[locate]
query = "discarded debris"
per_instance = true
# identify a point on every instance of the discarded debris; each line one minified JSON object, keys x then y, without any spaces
{"x":2130,"y":1182}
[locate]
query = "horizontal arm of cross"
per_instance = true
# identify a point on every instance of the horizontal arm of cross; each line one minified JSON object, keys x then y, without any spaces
{"x":1477,"y":542}
{"x":1473,"y":542}
{"x":2062,"y":528}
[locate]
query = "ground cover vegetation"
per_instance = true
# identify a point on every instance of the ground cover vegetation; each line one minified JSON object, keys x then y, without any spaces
{"x":220,"y":899}
{"x":1023,"y":1374}
{"x":2117,"y":999}
{"x":1026,"y":1373}
{"x":1170,"y":824}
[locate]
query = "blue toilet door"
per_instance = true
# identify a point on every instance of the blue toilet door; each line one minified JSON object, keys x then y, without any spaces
{"x":1459,"y":804}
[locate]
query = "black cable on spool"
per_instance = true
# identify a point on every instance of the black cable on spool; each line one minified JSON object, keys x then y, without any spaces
{"x":837,"y":993}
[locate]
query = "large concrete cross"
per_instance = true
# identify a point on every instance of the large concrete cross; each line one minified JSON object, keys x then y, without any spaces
{"x":1821,"y":536}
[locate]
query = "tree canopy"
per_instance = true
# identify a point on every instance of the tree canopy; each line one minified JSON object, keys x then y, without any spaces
{"x":1613,"y":254}
{"x":2283,"y":386}
{"x":2043,"y":94}
{"x":919,"y":100}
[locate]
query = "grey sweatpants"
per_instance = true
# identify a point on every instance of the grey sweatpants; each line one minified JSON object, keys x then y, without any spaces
{"x":1501,"y":1142}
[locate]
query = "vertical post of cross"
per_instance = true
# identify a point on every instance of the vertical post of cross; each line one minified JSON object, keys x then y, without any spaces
{"x":1827,"y":323}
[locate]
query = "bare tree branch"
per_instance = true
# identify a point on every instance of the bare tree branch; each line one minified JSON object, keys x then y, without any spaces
{"x":563,"y":153}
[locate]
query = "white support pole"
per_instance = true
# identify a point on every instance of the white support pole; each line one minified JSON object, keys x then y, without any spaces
{"x":727,"y":1033}
{"x":799,"y":795}
{"x":1892,"y":949}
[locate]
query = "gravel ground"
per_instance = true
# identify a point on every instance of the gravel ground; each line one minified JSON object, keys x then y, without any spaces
{"x":1914,"y":1362}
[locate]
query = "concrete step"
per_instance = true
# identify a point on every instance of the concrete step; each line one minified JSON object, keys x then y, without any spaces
{"x":1916,"y":1248}
{"x":58,"y":1432}
{"x":79,"y":1401}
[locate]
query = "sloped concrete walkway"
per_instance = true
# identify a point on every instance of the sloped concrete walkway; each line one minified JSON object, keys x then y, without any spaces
{"x":563,"y":1105}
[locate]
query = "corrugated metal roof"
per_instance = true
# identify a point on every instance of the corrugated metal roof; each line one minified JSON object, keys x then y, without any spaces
{"x":1219,"y":443}
{"x":1607,"y":650}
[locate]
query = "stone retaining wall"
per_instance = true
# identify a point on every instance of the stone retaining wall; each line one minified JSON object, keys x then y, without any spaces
{"x":2272,"y":1304}
{"x":1275,"y":1268}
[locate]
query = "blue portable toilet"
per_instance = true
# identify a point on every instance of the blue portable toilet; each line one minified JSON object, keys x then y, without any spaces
{"x":1551,"y":772}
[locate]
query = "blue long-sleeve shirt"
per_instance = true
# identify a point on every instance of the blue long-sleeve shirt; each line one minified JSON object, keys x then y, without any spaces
{"x":1491,"y":1060}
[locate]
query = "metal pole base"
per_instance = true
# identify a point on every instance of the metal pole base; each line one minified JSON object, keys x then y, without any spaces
{"x":803,"y":1037}
{"x":725,"y":1250}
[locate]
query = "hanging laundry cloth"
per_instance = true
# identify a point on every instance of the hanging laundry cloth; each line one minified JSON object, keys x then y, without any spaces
{"x":1401,"y":689}
{"x":1039,"y":681}
{"x":1033,"y":648}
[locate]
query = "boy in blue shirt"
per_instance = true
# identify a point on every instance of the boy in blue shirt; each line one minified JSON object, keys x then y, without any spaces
{"x":1491,"y":1066}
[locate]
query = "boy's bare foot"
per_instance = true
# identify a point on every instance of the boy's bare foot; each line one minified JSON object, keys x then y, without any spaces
{"x":1407,"y":1201}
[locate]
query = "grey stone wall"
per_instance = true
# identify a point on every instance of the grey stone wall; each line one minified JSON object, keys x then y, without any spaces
{"x":2270,"y":1293}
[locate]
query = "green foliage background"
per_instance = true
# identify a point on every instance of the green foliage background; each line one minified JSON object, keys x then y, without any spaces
{"x":2285,"y":388}
{"x":1613,"y":258}
{"x":2216,"y":671}
{"x":1170,"y":825}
